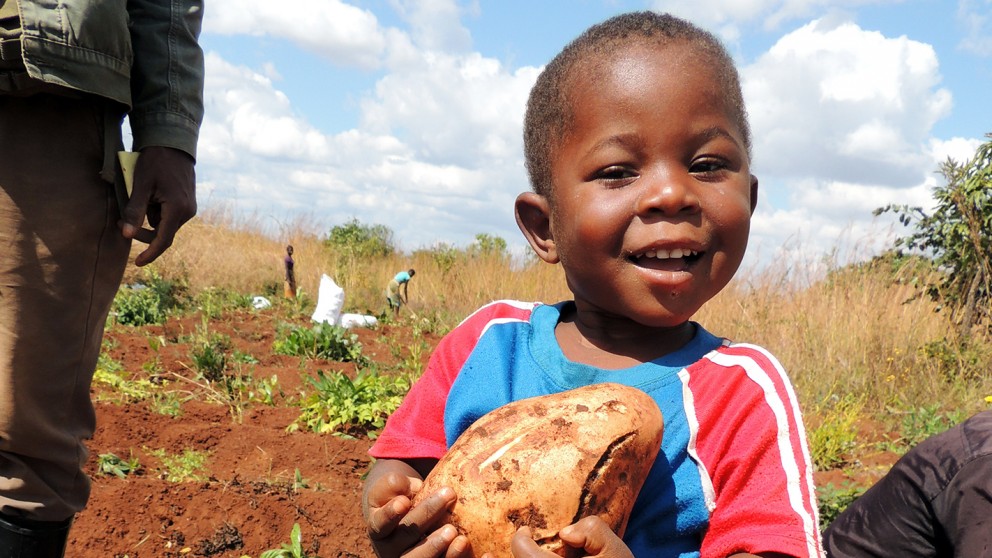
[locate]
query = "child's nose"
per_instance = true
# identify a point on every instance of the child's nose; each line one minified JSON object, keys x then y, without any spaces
{"x":669,"y":194}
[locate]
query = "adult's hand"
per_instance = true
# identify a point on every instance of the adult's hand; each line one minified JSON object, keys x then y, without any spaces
{"x":164,"y":191}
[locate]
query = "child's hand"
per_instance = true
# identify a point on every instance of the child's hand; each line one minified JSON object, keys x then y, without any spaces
{"x":591,"y":534}
{"x":398,"y":529}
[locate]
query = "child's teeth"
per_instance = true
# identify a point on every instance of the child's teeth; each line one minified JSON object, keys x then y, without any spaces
{"x":666,"y":254}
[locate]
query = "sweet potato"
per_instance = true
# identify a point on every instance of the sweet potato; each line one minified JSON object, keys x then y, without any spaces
{"x":547,"y":462}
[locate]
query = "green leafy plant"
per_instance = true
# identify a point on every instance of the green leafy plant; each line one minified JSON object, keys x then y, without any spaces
{"x":137,"y":306}
{"x":833,"y":439}
{"x":410,"y":358}
{"x":292,"y":549}
{"x":209,"y":352}
{"x":167,"y":403}
{"x":214,"y":302}
{"x":237,"y":391}
{"x":181,"y":467}
{"x":832,"y":500}
{"x":111,"y":373}
{"x":210,"y":360}
{"x":323,"y":340}
{"x":110,"y":464}
{"x":148,"y":302}
{"x":920,"y":423}
{"x":965,"y":360}
{"x":300,"y":483}
{"x":345,"y":406}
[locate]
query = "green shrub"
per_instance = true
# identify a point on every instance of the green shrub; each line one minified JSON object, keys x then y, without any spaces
{"x":214,"y":302}
{"x":137,"y":306}
{"x":210,"y":359}
{"x":323,"y":340}
{"x":360,"y":241}
{"x":958,"y":361}
{"x":148,"y":302}
{"x":923,"y":422}
{"x":832,"y":441}
{"x":833,"y":500}
{"x":346,"y":406}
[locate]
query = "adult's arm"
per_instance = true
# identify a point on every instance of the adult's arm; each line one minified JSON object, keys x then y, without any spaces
{"x":167,"y":98}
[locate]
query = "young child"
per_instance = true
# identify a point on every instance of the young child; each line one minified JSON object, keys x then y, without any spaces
{"x":637,"y":146}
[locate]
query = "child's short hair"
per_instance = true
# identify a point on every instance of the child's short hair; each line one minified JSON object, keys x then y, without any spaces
{"x":548,"y":118}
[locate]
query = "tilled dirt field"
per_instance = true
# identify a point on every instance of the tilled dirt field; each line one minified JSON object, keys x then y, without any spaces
{"x":259,"y":479}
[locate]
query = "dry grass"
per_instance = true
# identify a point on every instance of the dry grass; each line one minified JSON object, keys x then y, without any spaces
{"x":219,"y":250}
{"x":854,"y":333}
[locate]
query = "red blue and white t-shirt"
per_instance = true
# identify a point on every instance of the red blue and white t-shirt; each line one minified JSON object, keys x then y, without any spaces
{"x":733,"y":474}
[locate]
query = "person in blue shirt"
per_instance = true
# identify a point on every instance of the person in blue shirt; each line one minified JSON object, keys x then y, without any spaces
{"x":396,"y":291}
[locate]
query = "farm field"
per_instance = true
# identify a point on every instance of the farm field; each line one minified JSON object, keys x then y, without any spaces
{"x":256,"y":480}
{"x":202,"y":446}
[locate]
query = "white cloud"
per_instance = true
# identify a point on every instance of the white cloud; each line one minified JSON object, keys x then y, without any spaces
{"x":438,"y":157}
{"x":976,"y":17}
{"x":728,"y":18}
{"x":339,"y":32}
{"x":465,"y":110}
{"x":959,"y":149}
{"x":845,"y":104}
{"x":435,"y":24}
{"x":842,"y":121}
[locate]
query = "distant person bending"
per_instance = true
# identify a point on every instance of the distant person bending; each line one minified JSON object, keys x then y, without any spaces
{"x":936,"y":501}
{"x":396,"y":291}
{"x":289,"y":284}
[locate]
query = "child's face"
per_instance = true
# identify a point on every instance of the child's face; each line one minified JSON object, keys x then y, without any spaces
{"x":652,"y":190}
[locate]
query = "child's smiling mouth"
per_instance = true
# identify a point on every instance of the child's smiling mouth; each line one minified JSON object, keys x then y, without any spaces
{"x":675,"y":259}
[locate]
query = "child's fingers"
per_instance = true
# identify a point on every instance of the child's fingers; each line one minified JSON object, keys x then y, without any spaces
{"x":391,"y":485}
{"x":595,"y":537}
{"x":428,"y":512}
{"x":459,"y":548}
{"x":523,"y":545}
{"x":383,"y":520}
{"x":435,"y":545}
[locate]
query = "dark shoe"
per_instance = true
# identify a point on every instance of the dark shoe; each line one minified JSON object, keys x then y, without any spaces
{"x":22,"y":538}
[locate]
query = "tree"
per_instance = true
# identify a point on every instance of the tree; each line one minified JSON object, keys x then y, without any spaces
{"x":957,"y":236}
{"x":489,"y":245}
{"x":358,"y":240}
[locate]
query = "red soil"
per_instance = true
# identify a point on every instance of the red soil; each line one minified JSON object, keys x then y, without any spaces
{"x":246,"y":502}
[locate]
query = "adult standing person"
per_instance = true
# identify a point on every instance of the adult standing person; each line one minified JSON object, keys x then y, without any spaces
{"x":289,"y":283}
{"x":69,"y":73}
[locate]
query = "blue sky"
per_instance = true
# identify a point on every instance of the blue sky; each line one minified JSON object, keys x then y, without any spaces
{"x":408,"y":113}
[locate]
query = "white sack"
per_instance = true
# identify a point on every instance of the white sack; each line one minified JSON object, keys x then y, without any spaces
{"x":330,"y":300}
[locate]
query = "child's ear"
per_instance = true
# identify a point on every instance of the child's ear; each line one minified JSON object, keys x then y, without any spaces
{"x":754,"y":193}
{"x":534,"y":219}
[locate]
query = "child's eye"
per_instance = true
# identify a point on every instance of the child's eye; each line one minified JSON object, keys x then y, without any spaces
{"x":615,"y":173}
{"x":708,"y":167}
